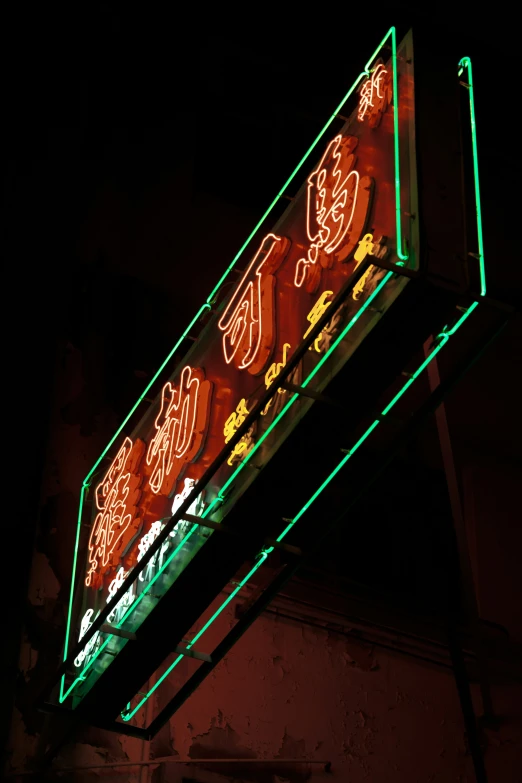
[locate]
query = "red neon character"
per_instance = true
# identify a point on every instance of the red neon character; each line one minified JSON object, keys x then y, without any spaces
{"x":181,"y":428}
{"x":116,"y":496}
{"x":374,"y":96}
{"x":338,"y":200}
{"x":248,"y":323}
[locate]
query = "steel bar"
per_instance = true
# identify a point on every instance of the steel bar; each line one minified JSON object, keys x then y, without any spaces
{"x":108,"y":628}
{"x":174,"y":760}
{"x":466,"y":703}
{"x":304,"y":391}
{"x":467,"y":581}
{"x":419,"y":417}
{"x":189,"y":653}
{"x":224,"y":529}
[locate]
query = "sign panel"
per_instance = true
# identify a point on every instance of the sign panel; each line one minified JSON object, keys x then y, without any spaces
{"x":355,"y":204}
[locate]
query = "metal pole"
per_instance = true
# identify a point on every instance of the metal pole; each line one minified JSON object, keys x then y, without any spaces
{"x":467,"y":582}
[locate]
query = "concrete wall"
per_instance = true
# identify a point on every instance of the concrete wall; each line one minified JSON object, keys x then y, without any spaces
{"x":286,"y":690}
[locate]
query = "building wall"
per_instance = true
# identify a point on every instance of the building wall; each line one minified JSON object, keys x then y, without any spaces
{"x":286,"y":690}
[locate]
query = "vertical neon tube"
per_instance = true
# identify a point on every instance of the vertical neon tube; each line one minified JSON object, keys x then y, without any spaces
{"x":465,"y":63}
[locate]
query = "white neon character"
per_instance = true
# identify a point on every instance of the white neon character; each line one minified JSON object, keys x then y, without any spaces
{"x":126,"y":599}
{"x":91,"y":644}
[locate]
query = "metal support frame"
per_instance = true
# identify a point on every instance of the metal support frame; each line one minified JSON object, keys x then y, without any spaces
{"x":466,"y":573}
{"x":462,"y":592}
{"x":220,"y":528}
{"x":304,"y":391}
{"x":223,"y":647}
{"x":258,"y":605}
{"x":296,"y":557}
{"x":159,"y":761}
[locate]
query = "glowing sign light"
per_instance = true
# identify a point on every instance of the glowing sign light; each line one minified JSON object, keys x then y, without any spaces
{"x":90,"y":647}
{"x":235,"y":420}
{"x":117,"y":496}
{"x":243,"y":448}
{"x":272,"y":373}
{"x":313,"y":316}
{"x":275,"y":368}
{"x":374,"y":96}
{"x":181,"y":427}
{"x":338,"y":200}
{"x":253,"y":325}
{"x":368,"y":246}
{"x":248,"y":321}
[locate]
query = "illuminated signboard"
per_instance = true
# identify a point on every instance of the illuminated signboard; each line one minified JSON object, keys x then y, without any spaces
{"x":222,"y":412}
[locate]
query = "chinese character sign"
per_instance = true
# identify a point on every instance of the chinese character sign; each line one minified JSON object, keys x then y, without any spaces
{"x":344,"y":211}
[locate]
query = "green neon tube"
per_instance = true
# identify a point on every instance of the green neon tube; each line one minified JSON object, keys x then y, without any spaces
{"x":403,"y":254}
{"x":130,"y":714}
{"x":391,"y":32}
{"x":465,"y":63}
{"x":71,"y":593}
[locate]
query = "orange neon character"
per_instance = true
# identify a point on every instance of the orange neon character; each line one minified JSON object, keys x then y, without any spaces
{"x":338,"y":201}
{"x":116,"y":497}
{"x":248,"y":323}
{"x":181,"y":428}
{"x":374,"y":96}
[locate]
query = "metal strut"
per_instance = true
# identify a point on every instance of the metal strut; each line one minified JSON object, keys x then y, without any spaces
{"x":261,"y":602}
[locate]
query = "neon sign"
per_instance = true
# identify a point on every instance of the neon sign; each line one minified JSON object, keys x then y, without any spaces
{"x":345,"y":211}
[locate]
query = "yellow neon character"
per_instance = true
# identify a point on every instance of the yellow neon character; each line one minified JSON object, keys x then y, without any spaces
{"x":272,"y":373}
{"x":367,"y":246}
{"x":275,"y":368}
{"x":313,"y":316}
{"x":241,"y":449}
{"x":323,"y":342}
{"x":235,"y":420}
